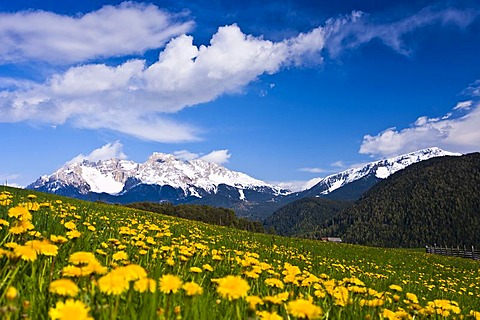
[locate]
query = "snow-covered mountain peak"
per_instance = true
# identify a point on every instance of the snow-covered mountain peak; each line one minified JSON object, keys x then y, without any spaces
{"x":111,"y":176}
{"x":381,"y":169}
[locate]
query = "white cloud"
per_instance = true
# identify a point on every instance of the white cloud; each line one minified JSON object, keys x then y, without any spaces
{"x":294,"y":185}
{"x":313,"y":170}
{"x":129,"y":28}
{"x":358,"y":28}
{"x":473,"y":90}
{"x":463,"y":105}
{"x":106,"y":152}
{"x":137,"y":99}
{"x":338,"y":164}
{"x":217,"y":156}
{"x":185,"y":155}
{"x":134,"y":99}
{"x":461,"y":134}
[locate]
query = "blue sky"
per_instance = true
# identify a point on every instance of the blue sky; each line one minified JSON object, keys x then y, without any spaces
{"x":284,"y":91}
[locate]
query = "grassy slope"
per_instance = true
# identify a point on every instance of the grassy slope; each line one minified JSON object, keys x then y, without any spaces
{"x":190,"y":244}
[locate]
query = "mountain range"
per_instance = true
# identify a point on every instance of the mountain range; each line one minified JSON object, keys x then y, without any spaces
{"x":166,"y":178}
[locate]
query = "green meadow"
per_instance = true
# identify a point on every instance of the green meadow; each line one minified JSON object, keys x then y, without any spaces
{"x":62,"y":258}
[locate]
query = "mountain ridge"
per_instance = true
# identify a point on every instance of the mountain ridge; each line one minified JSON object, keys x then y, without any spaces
{"x":164,"y":177}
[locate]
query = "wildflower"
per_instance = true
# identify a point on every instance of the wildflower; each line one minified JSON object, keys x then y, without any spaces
{"x":372,"y":303}
{"x":253,"y":301}
{"x":58,"y":239}
{"x":70,"y":310}
{"x":73,"y":234}
{"x":195,"y":270}
{"x":145,"y":284}
{"x":232,"y":287}
{"x":43,"y":247}
{"x":64,"y":287}
{"x":170,"y":283}
{"x":395,"y":287}
{"x":120,"y":255}
{"x":25,"y":253}
{"x":265,"y":315}
{"x":341,"y":296}
{"x":113,"y":283}
{"x":19,"y":212}
{"x":81,"y":257}
{"x":277,"y":299}
{"x":131,"y":272}
{"x":272,"y":282}
{"x":475,"y":314}
{"x":11,"y":293}
{"x":71,"y":271}
{"x":70,"y":225}
{"x":4,"y":222}
{"x":192,"y":288}
{"x":389,"y":314}
{"x":412,"y":297}
{"x":302,"y":308}
{"x":207,"y":267}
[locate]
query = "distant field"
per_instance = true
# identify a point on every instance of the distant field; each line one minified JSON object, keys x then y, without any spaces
{"x":61,"y":258}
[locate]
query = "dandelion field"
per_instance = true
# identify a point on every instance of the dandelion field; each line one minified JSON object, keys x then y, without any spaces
{"x":62,"y":258}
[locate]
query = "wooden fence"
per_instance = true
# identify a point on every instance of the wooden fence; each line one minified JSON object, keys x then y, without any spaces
{"x":464,"y":252}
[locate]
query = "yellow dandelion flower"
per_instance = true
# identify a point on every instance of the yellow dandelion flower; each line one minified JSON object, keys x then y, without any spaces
{"x":19,"y":212}
{"x":120,"y":255}
{"x":70,"y":310}
{"x":101,"y":252}
{"x":58,"y":239}
{"x":277,"y":299}
{"x":389,"y":314}
{"x":25,"y":253}
{"x":475,"y":314}
{"x":272,"y":282}
{"x":395,"y":287}
{"x":341,"y":295}
{"x":4,"y":222}
{"x":71,"y":271}
{"x":113,"y":283}
{"x":82,"y":257}
{"x":232,"y":287}
{"x":372,"y":303}
{"x":170,"y":283}
{"x":93,"y":267}
{"x":70,"y":225}
{"x":195,"y":270}
{"x":253,"y":301}
{"x":11,"y":293}
{"x":302,"y":308}
{"x":207,"y":267}
{"x":192,"y":288}
{"x":265,"y":315}
{"x":64,"y":287}
{"x":145,"y":284}
{"x":43,"y":247}
{"x":73,"y":234}
{"x":131,"y":272}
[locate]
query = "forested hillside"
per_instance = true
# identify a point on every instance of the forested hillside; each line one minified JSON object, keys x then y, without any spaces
{"x":304,"y":216}
{"x":207,"y":214}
